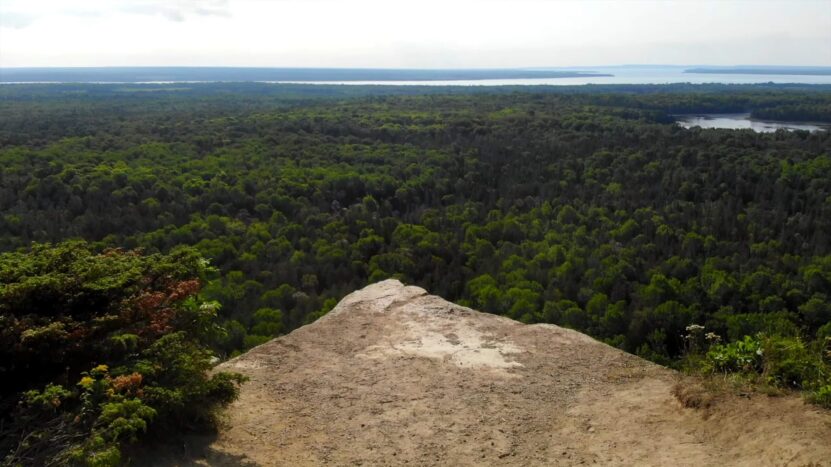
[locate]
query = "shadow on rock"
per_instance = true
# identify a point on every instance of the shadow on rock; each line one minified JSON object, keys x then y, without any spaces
{"x":185,"y":451}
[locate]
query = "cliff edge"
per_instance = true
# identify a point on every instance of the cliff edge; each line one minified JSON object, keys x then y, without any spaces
{"x":396,"y":376}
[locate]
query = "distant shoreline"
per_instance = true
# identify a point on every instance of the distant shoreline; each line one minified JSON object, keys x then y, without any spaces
{"x":595,"y":75}
{"x":223,"y":74}
{"x":793,"y":71}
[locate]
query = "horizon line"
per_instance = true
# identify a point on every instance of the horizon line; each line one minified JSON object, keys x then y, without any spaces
{"x":527,"y":68}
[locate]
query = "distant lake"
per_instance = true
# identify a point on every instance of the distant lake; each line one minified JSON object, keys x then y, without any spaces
{"x":615,"y":75}
{"x":743,"y":121}
{"x":625,"y":74}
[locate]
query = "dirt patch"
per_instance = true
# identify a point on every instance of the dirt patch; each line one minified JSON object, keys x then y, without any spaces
{"x":693,"y":395}
{"x":394,"y":376}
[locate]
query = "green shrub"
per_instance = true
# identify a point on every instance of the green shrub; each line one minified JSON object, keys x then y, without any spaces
{"x":750,"y":324}
{"x":782,"y":362}
{"x":739,"y":356}
{"x":789,"y":362}
{"x":101,"y":349}
{"x":821,"y":396}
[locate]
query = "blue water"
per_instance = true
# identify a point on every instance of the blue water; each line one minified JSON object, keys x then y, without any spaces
{"x":743,"y":121}
{"x":621,"y":75}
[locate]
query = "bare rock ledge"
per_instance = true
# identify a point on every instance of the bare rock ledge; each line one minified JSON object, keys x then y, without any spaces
{"x":396,"y":376}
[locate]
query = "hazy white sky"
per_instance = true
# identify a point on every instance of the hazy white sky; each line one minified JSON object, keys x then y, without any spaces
{"x":408,"y":33}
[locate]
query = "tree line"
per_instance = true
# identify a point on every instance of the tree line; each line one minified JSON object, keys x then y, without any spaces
{"x":585,"y":208}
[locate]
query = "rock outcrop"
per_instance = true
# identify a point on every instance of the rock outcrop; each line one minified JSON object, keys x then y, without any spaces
{"x":395,"y":376}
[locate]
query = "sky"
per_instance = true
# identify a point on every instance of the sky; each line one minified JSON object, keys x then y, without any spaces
{"x":413,"y":33}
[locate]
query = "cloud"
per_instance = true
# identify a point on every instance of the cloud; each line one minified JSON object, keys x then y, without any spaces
{"x":177,"y":10}
{"x":15,"y":20}
{"x":20,"y":14}
{"x":395,"y":33}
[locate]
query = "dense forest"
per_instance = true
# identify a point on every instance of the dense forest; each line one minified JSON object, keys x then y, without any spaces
{"x":584,"y":207}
